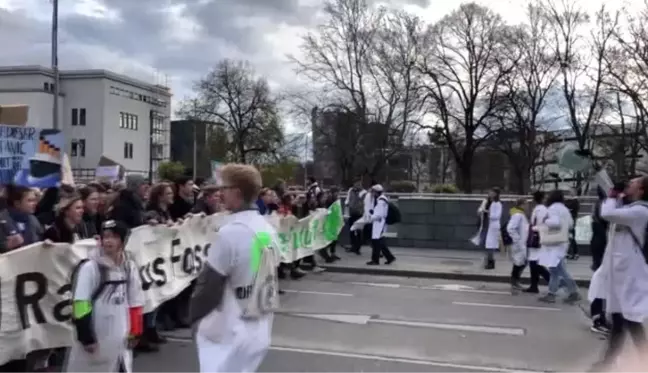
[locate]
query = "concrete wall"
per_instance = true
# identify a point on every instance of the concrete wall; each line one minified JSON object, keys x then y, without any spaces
{"x":442,"y":223}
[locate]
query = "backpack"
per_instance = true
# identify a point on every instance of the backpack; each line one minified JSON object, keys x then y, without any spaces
{"x":393,"y":213}
{"x":103,"y":278}
{"x":355,"y":203}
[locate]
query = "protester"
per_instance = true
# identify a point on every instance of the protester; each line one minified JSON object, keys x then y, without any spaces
{"x":233,"y":327}
{"x":183,"y":200}
{"x":22,"y":226}
{"x":574,"y":206}
{"x":622,"y":279}
{"x":91,"y":224}
{"x":538,"y":217}
{"x":554,"y":239}
{"x":107,"y":319}
{"x":69,"y":218}
{"x":330,"y":251}
{"x":378,"y":227}
{"x":354,"y":209}
{"x":518,"y":230}
{"x":490,"y":212}
{"x":209,"y":201}
{"x":159,"y":204}
{"x":128,"y":205}
{"x":598,"y":243}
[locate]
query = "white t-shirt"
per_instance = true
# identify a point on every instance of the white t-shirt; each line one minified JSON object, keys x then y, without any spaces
{"x":234,"y":254}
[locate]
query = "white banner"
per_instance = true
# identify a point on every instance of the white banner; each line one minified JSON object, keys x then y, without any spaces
{"x":34,"y":283}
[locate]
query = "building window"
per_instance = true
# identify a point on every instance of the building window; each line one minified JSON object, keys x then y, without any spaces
{"x":78,"y":148}
{"x":82,"y":117}
{"x":46,"y":87}
{"x":128,"y":121}
{"x":75,"y":117}
{"x":128,"y":150}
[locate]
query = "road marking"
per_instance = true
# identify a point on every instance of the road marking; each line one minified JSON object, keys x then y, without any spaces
{"x":458,"y":327}
{"x":377,"y":284}
{"x":336,"y":317}
{"x":390,"y":359}
{"x":506,"y":306}
{"x":442,"y":288}
{"x":395,"y":359}
{"x":318,"y":293}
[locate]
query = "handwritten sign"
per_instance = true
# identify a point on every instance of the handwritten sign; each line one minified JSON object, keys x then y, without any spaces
{"x":30,"y":156}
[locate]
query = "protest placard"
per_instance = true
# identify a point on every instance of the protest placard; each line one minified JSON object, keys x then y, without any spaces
{"x":30,"y":156}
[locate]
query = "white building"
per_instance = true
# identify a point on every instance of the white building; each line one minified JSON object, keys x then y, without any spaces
{"x":100,"y":113}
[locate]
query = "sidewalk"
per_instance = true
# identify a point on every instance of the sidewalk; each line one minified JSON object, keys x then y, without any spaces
{"x":444,"y":264}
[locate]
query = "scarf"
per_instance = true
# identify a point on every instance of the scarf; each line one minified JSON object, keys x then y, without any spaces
{"x":515,"y":210}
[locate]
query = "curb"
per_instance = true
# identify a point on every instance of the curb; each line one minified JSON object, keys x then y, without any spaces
{"x":434,"y":275}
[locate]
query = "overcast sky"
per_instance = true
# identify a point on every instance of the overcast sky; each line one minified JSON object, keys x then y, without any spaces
{"x":182,"y":39}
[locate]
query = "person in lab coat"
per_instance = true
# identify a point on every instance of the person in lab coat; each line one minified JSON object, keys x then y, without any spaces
{"x":622,"y":279}
{"x":533,"y":244}
{"x":378,"y":226}
{"x":107,"y":306}
{"x":235,"y":296}
{"x":518,"y":230}
{"x":490,"y":212}
{"x":554,"y":240}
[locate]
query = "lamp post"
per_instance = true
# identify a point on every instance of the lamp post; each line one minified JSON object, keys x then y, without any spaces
{"x":55,"y":108}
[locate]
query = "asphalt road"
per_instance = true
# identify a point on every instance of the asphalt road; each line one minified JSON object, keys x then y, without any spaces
{"x":345,"y":323}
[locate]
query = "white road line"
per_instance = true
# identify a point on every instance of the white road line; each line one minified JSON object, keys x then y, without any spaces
{"x":458,"y":327}
{"x":318,"y":293}
{"x":506,"y":306}
{"x":439,"y":288}
{"x":395,"y":359}
{"x":377,"y":284}
{"x":478,"y":368}
{"x":336,"y":317}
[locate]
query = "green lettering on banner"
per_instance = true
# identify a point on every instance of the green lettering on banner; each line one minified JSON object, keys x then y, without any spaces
{"x":261,"y":241}
{"x":333,"y":222}
{"x":284,"y":241}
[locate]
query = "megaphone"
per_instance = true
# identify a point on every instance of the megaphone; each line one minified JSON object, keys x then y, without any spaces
{"x":573,"y":159}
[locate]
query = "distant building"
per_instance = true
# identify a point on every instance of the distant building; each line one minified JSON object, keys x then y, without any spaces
{"x":190,"y":141}
{"x":101,"y":113}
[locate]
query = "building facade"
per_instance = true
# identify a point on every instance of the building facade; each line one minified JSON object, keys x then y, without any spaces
{"x":101,"y":114}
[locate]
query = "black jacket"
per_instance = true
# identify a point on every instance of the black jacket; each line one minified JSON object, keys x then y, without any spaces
{"x":598,"y":241}
{"x":90,"y":226}
{"x":59,"y":232}
{"x":180,"y":208}
{"x":129,"y":209}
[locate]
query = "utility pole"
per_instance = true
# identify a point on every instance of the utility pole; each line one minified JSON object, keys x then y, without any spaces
{"x":55,"y":108}
{"x":195,"y":148}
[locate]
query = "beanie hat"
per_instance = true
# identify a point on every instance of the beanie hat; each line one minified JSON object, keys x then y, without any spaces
{"x":116,"y":227}
{"x":134,"y":181}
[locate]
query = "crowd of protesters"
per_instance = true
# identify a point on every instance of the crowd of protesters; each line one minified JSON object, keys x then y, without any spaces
{"x":65,"y":214}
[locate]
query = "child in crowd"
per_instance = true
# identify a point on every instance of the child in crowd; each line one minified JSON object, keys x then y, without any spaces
{"x":107,"y":305}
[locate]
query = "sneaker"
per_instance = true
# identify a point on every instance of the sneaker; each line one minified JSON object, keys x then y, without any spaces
{"x":531,"y":290}
{"x":548,"y":298}
{"x":372,"y":263}
{"x":600,"y":329}
{"x":335,"y":257}
{"x":317,"y":269}
{"x":390,"y":261}
{"x":572,"y":298}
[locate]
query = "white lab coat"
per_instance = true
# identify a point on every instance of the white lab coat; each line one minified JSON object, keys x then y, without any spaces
{"x":518,"y":229}
{"x":110,"y":317}
{"x":622,"y":279}
{"x":558,"y":216}
{"x":378,"y":217}
{"x":537,"y":217}
{"x":494,"y":224}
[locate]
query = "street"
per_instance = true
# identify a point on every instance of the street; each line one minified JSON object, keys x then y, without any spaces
{"x":343,"y":322}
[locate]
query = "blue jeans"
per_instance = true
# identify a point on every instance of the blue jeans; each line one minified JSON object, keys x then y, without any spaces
{"x":559,"y":276}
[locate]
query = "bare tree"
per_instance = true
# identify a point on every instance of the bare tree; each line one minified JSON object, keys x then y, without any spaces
{"x":582,"y":66}
{"x":627,"y":69}
{"x":233,"y":95}
{"x":518,"y":121}
{"x":363,"y":56}
{"x":464,"y":64}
